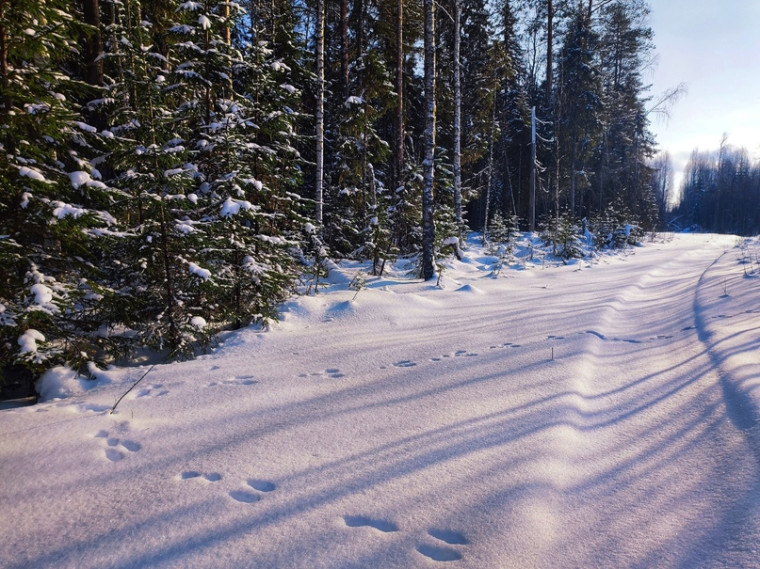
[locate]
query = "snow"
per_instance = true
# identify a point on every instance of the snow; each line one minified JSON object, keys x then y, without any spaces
{"x":33,"y":174}
{"x":190,"y":5}
{"x":63,"y":210}
{"x":79,"y":178}
{"x":42,"y":294}
{"x":28,"y":341}
{"x":62,"y":382}
{"x":185,"y":227}
{"x":198,"y":271}
{"x":232,"y":207}
{"x":204,"y":22}
{"x":198,"y":322}
{"x":85,"y":127}
{"x":553,"y":417}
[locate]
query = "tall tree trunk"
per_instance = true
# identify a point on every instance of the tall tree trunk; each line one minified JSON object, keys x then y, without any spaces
{"x":532,"y":205}
{"x":93,"y":44}
{"x":399,"y":150}
{"x":549,"y":51}
{"x":428,"y":164}
{"x":573,"y":176}
{"x":171,"y":301}
{"x":552,"y":104}
{"x":4,"y":69}
{"x":344,"y":48}
{"x":226,"y":33}
{"x":489,"y":171}
{"x":320,"y":47}
{"x":458,"y":116}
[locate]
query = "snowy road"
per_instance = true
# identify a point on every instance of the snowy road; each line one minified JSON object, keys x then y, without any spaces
{"x":551,"y":418}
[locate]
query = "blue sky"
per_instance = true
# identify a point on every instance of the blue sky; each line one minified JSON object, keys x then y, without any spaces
{"x":714,"y":48}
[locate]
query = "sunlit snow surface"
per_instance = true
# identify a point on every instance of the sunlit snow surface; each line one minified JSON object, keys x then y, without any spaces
{"x":601,"y":415}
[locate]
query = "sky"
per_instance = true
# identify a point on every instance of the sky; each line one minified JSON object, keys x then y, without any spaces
{"x":714,"y":49}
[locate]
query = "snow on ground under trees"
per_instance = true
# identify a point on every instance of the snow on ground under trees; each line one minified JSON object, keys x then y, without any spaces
{"x":600,"y":414}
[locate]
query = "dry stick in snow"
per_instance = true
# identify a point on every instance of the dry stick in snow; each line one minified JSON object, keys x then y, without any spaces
{"x":131,"y":388}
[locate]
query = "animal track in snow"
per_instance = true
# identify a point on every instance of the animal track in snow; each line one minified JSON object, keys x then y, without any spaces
{"x":262,"y":485}
{"x":460,"y":353}
{"x":608,"y":339}
{"x":437,"y":553}
{"x":456,"y":354}
{"x":245,"y":496}
{"x":332,"y":373}
{"x":152,"y":391}
{"x":115,"y":446}
{"x":383,"y":526}
{"x":441,"y":553}
{"x":405,"y":363}
{"x":448,"y":536}
{"x":237,"y":380}
{"x":192,"y":474}
{"x":249,"y":495}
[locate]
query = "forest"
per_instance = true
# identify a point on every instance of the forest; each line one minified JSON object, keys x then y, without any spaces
{"x":720,"y":192}
{"x":172,"y":169}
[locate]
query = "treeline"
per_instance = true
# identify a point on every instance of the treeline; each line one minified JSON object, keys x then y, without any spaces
{"x":170,"y":167}
{"x":720,"y":192}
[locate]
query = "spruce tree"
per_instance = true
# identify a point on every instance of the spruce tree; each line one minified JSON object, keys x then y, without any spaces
{"x":50,"y":197}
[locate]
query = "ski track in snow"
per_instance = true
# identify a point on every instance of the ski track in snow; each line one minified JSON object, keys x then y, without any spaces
{"x":551,"y":418}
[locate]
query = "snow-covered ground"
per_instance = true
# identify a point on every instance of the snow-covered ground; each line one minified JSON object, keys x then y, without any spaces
{"x":594,"y":415}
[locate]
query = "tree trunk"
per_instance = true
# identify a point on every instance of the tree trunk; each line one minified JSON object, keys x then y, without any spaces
{"x":320,"y":47}
{"x":458,"y":116}
{"x":399,"y":151}
{"x":549,"y":50}
{"x":489,"y":171}
{"x":171,"y":301}
{"x":4,"y":71}
{"x":532,"y":205}
{"x":93,"y":44}
{"x":344,"y":48}
{"x":428,"y":164}
{"x":573,"y":178}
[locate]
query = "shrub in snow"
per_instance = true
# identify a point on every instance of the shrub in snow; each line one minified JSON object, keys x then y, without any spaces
{"x":562,"y":235}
